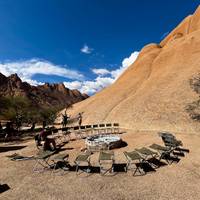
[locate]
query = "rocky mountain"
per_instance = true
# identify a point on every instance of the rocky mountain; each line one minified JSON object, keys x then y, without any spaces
{"x":43,"y":95}
{"x":154,"y":92}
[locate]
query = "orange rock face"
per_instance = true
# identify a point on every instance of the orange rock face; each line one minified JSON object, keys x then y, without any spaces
{"x":153,"y":92}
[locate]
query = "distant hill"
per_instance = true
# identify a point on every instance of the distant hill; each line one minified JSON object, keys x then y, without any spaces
{"x":47,"y":95}
{"x":154,"y":92}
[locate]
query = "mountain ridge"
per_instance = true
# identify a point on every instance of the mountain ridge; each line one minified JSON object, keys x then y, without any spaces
{"x":43,"y":95}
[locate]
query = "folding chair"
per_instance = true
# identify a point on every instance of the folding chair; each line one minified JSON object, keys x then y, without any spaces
{"x":83,"y":132}
{"x":166,"y":134}
{"x":106,"y":158}
{"x":147,"y":154}
{"x":61,"y":161}
{"x":88,"y":129}
{"x":102,"y":128}
{"x":95,"y":129}
{"x":164,"y":152}
{"x":42,"y":159}
{"x":116,"y":128}
{"x":83,"y":160}
{"x":109,"y":128}
{"x":170,"y":140}
{"x":134,"y":158}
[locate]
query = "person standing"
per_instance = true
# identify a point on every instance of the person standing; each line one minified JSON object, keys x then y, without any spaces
{"x":79,"y":119}
{"x":1,"y":128}
{"x":65,"y":120}
{"x":44,"y":124}
{"x":9,"y":130}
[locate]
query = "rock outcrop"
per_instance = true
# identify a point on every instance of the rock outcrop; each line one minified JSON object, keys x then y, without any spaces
{"x":44,"y":95}
{"x":154,"y":91}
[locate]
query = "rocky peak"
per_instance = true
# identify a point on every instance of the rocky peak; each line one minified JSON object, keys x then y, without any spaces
{"x":61,"y":87}
{"x":189,"y":25}
{"x":42,"y":95}
{"x":2,"y":78}
{"x":14,"y":78}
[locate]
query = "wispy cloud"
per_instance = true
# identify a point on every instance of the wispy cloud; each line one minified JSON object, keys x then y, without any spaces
{"x":90,"y":87}
{"x":28,"y":68}
{"x":86,"y":49}
{"x":125,"y":64}
{"x":100,"y":72}
{"x":104,"y":77}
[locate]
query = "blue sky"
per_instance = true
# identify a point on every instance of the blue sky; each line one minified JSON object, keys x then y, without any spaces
{"x":81,"y":42}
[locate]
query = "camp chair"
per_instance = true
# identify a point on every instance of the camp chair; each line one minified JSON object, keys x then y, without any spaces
{"x":116,"y":128}
{"x":163,"y":151}
{"x":166,"y":134}
{"x":109,"y":128}
{"x":106,"y":158}
{"x":170,"y":140}
{"x":95,"y":128}
{"x":61,"y":161}
{"x":83,"y":159}
{"x":83,"y":132}
{"x":102,"y":128}
{"x":42,"y":159}
{"x":147,"y":154}
{"x":134,"y":158}
{"x":88,"y":129}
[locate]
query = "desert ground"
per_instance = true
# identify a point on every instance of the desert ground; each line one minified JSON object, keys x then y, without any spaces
{"x":179,"y":180}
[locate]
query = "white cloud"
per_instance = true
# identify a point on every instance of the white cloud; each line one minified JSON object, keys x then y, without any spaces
{"x":130,"y":60}
{"x":74,"y":85}
{"x":32,"y":82}
{"x":100,"y":71}
{"x":86,"y":49}
{"x":104,"y":78}
{"x":125,"y":64}
{"x":90,"y":87}
{"x":28,"y":68}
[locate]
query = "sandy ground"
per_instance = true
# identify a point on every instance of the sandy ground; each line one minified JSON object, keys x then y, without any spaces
{"x":176,"y":181}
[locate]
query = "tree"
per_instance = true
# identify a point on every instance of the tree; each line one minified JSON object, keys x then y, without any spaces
{"x":193,"y":108}
{"x":14,"y":109}
{"x":20,"y":110}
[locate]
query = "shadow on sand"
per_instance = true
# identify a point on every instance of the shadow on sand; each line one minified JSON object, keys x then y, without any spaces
{"x":4,"y":188}
{"x":11,"y":148}
{"x":157,"y":163}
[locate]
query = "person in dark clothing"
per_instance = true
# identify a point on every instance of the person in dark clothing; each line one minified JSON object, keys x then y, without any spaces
{"x":9,"y":130}
{"x":79,"y":119}
{"x":49,"y":143}
{"x":37,"y":140}
{"x":18,"y":122}
{"x":65,"y":120}
{"x":44,"y":124}
{"x":1,"y":128}
{"x":33,"y":126}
